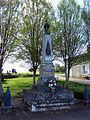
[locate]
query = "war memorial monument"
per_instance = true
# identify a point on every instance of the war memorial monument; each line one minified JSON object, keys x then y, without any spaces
{"x":48,"y":96}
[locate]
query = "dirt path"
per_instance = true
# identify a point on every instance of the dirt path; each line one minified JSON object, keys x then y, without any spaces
{"x":84,"y":81}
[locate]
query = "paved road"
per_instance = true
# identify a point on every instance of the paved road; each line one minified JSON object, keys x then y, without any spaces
{"x":84,"y":81}
{"x":79,"y":113}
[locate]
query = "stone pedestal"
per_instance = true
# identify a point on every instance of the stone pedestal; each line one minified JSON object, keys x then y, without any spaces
{"x":42,"y":99}
{"x":46,"y":73}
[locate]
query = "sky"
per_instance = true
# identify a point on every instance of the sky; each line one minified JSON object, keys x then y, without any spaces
{"x":9,"y":66}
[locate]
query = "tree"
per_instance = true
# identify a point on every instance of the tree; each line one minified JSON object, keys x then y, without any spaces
{"x":86,"y":19}
{"x":33,"y":15}
{"x":69,"y":40}
{"x":8,"y":24}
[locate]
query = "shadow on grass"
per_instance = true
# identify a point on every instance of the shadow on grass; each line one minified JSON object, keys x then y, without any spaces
{"x":4,"y":81}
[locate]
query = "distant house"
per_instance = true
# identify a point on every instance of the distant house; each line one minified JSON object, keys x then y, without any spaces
{"x":81,"y":70}
{"x":82,"y":67}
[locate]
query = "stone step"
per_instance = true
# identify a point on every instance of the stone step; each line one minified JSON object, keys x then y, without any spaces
{"x":35,"y":107}
{"x":49,"y":108}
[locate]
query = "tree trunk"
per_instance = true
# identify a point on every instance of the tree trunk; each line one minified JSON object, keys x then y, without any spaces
{"x":1,"y":89}
{"x":67,"y":79}
{"x":87,"y":35}
{"x":67,"y":71}
{"x":34,"y":77}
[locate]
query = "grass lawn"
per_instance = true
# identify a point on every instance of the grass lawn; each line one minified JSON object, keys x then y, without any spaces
{"x":78,"y":88}
{"x":18,"y":84}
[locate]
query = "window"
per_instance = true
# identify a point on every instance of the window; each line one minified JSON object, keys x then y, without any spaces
{"x":84,"y":69}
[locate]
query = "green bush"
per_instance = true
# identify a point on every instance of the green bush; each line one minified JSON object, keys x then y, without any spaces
{"x":27,"y":75}
{"x":9,"y":75}
{"x":59,"y":68}
{"x":24,"y":75}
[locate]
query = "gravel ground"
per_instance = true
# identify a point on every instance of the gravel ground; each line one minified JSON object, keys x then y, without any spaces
{"x":20,"y":112}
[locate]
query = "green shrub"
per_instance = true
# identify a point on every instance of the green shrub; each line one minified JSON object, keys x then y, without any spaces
{"x":24,"y":75}
{"x":9,"y":75}
{"x":59,"y":68}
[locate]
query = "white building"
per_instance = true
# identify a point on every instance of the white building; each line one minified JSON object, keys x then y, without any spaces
{"x":82,"y":67}
{"x":81,"y":70}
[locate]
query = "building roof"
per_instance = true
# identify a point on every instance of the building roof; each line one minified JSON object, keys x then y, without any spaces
{"x":83,"y":58}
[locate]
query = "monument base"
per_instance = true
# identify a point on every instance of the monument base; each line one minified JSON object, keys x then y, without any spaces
{"x":46,"y":73}
{"x":42,"y":99}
